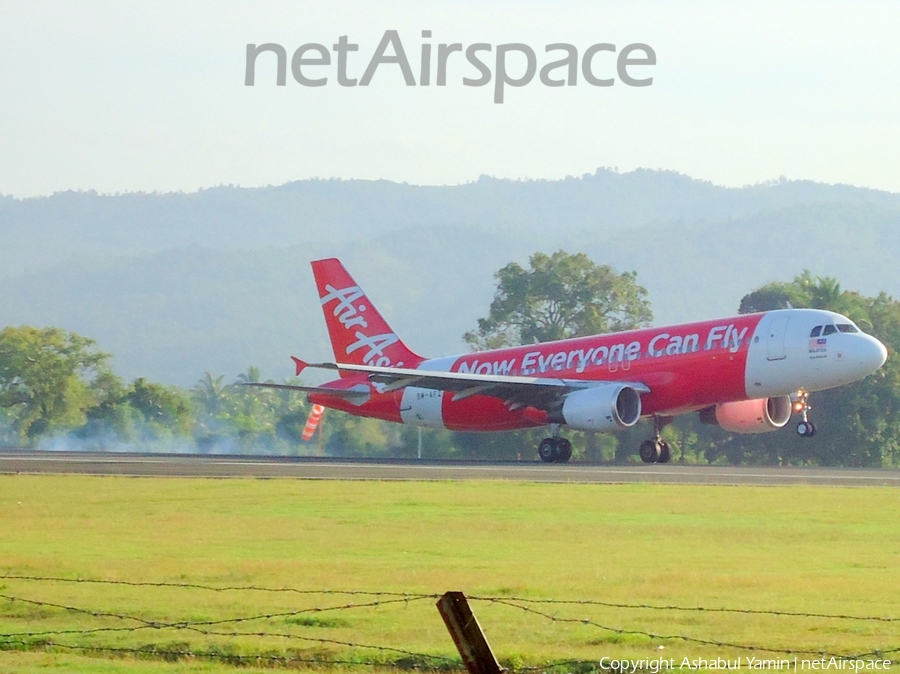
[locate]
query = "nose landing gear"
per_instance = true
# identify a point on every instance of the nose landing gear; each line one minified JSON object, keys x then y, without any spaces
{"x":806,"y":428}
{"x":656,"y":450}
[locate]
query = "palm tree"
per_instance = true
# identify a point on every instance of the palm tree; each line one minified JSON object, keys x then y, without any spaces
{"x":251,"y":376}
{"x":824,"y":292}
{"x":210,"y":392}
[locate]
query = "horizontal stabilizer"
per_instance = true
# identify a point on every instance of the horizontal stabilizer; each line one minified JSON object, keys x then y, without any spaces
{"x":299,"y":364}
{"x":359,"y":391}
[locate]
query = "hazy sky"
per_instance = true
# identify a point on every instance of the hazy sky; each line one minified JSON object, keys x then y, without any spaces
{"x":123,"y":96}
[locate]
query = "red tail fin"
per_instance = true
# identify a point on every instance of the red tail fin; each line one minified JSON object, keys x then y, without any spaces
{"x":359,"y":335}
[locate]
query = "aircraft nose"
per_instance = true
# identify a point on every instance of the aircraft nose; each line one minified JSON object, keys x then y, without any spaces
{"x":874,"y":354}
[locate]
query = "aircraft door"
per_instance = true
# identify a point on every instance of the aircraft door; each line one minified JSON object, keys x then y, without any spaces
{"x":775,"y":341}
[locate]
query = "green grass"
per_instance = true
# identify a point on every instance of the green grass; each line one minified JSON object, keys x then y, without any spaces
{"x":823,"y":550}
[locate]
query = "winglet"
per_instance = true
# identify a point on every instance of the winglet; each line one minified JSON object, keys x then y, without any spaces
{"x":301,"y":365}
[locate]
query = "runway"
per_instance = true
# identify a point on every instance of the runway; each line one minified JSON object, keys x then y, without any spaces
{"x":321,"y":468}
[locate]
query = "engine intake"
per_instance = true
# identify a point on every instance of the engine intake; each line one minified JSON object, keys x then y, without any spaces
{"x":606,"y":407}
{"x":760,"y":415}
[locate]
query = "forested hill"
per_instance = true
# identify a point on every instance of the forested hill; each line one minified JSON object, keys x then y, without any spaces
{"x":178,"y":284}
{"x":39,"y":232}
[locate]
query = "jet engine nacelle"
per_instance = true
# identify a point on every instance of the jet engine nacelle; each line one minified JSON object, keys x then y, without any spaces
{"x":759,"y":415}
{"x":606,"y":407}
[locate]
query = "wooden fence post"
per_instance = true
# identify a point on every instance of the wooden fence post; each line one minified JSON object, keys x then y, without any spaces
{"x":467,"y":635}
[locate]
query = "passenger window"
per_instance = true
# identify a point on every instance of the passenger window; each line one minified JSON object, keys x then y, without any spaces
{"x":816,"y":331}
{"x":829,"y":330}
{"x":846,"y":327}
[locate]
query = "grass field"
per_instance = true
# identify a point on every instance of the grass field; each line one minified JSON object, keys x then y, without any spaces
{"x":800,"y":549}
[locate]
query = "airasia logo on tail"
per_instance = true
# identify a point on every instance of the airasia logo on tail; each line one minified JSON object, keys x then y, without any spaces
{"x":350,"y":316}
{"x":344,"y":310}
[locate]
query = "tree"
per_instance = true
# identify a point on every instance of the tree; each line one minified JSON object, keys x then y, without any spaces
{"x":253,"y":375}
{"x":806,"y":290}
{"x":561,"y":295}
{"x":773,"y":296}
{"x":210,"y":393}
{"x":43,"y":378}
{"x":165,"y":409}
{"x":248,"y":418}
{"x":864,"y":417}
{"x":111,"y":419}
{"x":359,"y":436}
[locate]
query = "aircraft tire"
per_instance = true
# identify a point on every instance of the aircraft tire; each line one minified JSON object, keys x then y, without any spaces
{"x":547,"y":450}
{"x":664,"y":453}
{"x":806,"y":429}
{"x":649,"y":451}
{"x":564,"y":450}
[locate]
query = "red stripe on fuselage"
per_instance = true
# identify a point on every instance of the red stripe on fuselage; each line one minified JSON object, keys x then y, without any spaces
{"x":686,"y":367}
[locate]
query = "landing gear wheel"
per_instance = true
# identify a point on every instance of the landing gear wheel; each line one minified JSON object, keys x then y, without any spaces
{"x":656,"y":450}
{"x":547,"y":450}
{"x":555,"y":450}
{"x":664,"y":454}
{"x":806,"y":429}
{"x":564,"y":450}
{"x":649,"y":451}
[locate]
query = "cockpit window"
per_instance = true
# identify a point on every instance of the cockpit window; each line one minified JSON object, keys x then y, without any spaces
{"x":846,"y":327}
{"x":829,"y":330}
{"x":816,"y":331}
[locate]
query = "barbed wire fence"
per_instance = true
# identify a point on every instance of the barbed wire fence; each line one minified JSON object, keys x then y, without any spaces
{"x":361,"y":654}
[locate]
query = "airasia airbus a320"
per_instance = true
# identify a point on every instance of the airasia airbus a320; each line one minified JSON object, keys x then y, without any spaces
{"x":747,"y":373}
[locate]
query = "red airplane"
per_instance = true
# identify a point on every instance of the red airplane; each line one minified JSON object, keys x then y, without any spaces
{"x":747,"y":373}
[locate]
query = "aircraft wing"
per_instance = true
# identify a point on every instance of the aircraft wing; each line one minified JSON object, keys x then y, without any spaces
{"x":536,"y":391}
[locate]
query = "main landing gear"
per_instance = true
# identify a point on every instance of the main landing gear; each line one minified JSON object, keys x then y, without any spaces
{"x":806,"y":428}
{"x":656,"y":450}
{"x":555,"y":449}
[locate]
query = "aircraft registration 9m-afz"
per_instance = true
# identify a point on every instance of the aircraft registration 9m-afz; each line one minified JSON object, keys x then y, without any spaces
{"x":747,"y":373}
